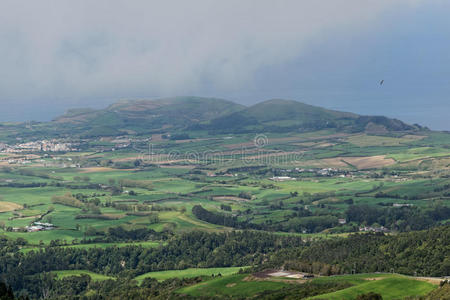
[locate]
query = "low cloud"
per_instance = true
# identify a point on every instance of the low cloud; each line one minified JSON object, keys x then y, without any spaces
{"x":104,"y":48}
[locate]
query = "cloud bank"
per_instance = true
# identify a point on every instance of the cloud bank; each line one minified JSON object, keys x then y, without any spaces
{"x":60,"y":54}
{"x":103,"y":48}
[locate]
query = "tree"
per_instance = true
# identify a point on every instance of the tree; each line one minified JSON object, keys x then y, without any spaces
{"x":90,"y":231}
{"x":6,"y":292}
{"x":153,"y":218}
{"x":245,"y":195}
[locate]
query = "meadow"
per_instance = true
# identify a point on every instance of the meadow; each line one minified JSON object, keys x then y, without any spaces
{"x":234,"y":286}
{"x":190,"y":272}
{"x":94,"y":276}
{"x":160,"y":194}
{"x":389,"y":286}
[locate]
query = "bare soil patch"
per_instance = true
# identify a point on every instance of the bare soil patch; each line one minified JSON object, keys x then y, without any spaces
{"x":332,"y":162}
{"x":363,"y":162}
{"x":374,"y":278}
{"x":97,"y":169}
{"x":9,"y":206}
{"x":157,"y":137}
{"x":369,"y":162}
{"x":432,"y":280}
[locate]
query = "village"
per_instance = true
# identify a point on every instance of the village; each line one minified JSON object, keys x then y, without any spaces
{"x":37,"y":146}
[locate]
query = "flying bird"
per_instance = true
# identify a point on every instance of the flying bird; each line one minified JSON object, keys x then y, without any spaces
{"x":381,"y":82}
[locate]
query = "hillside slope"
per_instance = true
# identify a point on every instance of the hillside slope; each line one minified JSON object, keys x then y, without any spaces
{"x":279,"y":115}
{"x":215,"y":116}
{"x":141,"y":116}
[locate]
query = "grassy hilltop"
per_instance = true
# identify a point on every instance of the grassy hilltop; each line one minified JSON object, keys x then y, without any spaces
{"x":197,"y":114}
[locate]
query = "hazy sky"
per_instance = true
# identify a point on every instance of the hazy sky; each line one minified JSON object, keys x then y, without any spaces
{"x":60,"y":54}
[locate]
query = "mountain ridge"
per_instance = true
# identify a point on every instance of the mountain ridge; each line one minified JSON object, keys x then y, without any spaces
{"x":280,"y":115}
{"x":216,"y":116}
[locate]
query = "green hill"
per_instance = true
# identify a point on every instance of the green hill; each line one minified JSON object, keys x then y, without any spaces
{"x":181,"y":114}
{"x":143,"y":116}
{"x":287,"y":116}
{"x":280,"y":110}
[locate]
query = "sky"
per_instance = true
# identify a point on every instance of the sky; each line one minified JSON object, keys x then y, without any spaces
{"x":60,"y":54}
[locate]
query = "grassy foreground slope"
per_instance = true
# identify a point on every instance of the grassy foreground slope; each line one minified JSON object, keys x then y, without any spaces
{"x":441,"y":293}
{"x":243,"y":286}
{"x":230,"y":286}
{"x":390,"y":287}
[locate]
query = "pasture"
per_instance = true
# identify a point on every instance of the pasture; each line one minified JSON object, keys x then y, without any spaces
{"x":187,"y":273}
{"x":232,"y":286}
{"x":159,"y":195}
{"x":389,"y":286}
{"x":94,"y":276}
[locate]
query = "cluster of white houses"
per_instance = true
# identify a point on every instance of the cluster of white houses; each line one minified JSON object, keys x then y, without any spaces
{"x":39,"y":226}
{"x":373,"y":229}
{"x":282,"y":178}
{"x":37,"y":146}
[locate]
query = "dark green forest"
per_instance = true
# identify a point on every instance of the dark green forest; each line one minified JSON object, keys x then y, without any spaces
{"x":425,"y":253}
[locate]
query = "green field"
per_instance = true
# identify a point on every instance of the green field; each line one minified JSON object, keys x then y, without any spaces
{"x":187,"y":273}
{"x":94,"y":276}
{"x":389,"y":286}
{"x":233,"y":285}
{"x":115,"y":192}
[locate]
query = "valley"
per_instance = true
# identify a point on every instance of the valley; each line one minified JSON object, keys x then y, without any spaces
{"x":142,"y":187}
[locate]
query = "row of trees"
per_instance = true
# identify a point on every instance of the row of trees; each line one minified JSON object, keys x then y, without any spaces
{"x":424,"y":253}
{"x":401,"y":219}
{"x":398,"y":218}
{"x":221,"y":219}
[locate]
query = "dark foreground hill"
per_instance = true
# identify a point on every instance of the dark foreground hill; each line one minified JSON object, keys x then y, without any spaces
{"x":424,"y":253}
